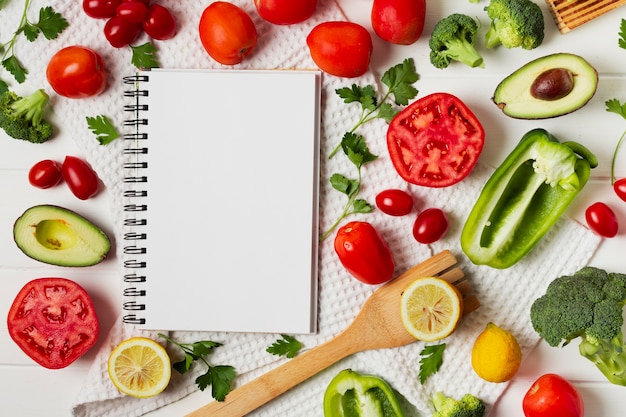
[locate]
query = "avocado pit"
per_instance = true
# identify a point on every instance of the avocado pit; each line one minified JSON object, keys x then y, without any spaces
{"x":552,"y":84}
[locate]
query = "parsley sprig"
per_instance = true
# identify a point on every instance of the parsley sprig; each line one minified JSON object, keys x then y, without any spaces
{"x":144,"y":56}
{"x":102,"y":127}
{"x":50,"y":24}
{"x":288,"y":346}
{"x":399,"y":80}
{"x":432,"y":358}
{"x":219,"y":377}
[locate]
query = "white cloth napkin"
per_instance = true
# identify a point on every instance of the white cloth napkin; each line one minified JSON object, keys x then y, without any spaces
{"x":505,"y":295}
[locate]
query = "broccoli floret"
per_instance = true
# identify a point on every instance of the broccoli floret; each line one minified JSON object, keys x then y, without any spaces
{"x":453,"y":38}
{"x":514,"y":23}
{"x":586,"y":305}
{"x":467,"y":406}
{"x":23,"y":117}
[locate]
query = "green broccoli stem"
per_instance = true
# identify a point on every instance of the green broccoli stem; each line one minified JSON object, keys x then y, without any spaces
{"x":31,"y":107}
{"x":609,"y":356}
{"x":464,"y":52}
{"x":492,"y":39}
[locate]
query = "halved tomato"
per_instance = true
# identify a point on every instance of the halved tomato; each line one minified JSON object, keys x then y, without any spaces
{"x":435,"y":141}
{"x":53,"y":321}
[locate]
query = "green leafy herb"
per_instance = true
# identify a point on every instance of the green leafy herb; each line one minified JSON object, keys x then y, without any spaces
{"x":144,"y":56}
{"x":399,"y":80}
{"x":432,"y":358}
{"x":102,"y":127}
{"x":622,"y":34}
{"x":50,"y":24}
{"x":4,"y":87}
{"x":219,"y":377}
{"x":288,"y":346}
{"x":614,"y":106}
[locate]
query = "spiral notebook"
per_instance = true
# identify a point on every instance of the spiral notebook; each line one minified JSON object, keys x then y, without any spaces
{"x":221,"y":178}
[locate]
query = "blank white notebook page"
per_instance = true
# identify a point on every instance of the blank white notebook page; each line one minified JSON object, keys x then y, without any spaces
{"x":233,"y":176}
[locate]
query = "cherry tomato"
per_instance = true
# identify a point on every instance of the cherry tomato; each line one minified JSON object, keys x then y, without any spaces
{"x":398,"y":21}
{"x":100,"y":9}
{"x":133,"y":11}
{"x":77,"y":72}
{"x":121,"y":32}
{"x":552,"y":395}
{"x":430,"y":226}
{"x":160,"y":23}
{"x":45,"y":174}
{"x":394,"y":202}
{"x":364,"y":253}
{"x":285,"y":12}
{"x":227,"y":33}
{"x":601,"y":219}
{"x":435,"y":141}
{"x":342,"y":49}
{"x":53,"y":321}
{"x":620,"y":188}
{"x":80,"y":178}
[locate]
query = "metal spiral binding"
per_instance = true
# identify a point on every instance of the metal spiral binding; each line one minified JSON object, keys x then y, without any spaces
{"x":135,"y":209}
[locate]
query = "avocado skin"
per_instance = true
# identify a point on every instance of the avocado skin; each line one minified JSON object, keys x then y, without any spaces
{"x":513,"y":96}
{"x":91,"y":247}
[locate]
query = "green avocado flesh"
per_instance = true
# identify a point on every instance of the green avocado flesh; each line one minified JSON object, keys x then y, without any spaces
{"x":514,"y":97}
{"x":58,"y":236}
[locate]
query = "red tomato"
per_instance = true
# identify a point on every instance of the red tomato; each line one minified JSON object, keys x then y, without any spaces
{"x":160,"y":23}
{"x":394,"y":202}
{"x":77,"y":72}
{"x":133,"y":11}
{"x":435,"y":141}
{"x":398,"y":21}
{"x":79,"y":176}
{"x":364,"y":253}
{"x":601,"y":219}
{"x":430,"y":226}
{"x":44,"y":174}
{"x":620,"y":188}
{"x":552,"y":396}
{"x":121,"y":32}
{"x":100,"y":9}
{"x":343,"y":49}
{"x":227,"y":33}
{"x":285,"y":12}
{"x":53,"y":321}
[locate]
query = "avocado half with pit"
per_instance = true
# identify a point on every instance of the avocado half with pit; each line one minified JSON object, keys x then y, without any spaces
{"x":58,"y":236}
{"x":546,"y":87}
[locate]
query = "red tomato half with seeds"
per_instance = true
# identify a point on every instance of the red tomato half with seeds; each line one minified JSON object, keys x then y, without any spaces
{"x":285,"y":12}
{"x":53,"y":321}
{"x":550,"y":396}
{"x":343,"y":49}
{"x":399,"y":21}
{"x":435,"y":141}
{"x":364,"y":253}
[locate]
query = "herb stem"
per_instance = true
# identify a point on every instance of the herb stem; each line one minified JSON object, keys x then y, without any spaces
{"x":619,"y":144}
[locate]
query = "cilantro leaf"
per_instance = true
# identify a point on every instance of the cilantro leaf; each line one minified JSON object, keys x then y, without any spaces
{"x":622,"y":34}
{"x":288,"y":346}
{"x":432,"y":358}
{"x":13,"y":66}
{"x":102,"y":127}
{"x":51,"y":23}
{"x":355,"y":148}
{"x":144,"y":56}
{"x":219,"y":377}
{"x":400,"y":79}
{"x":4,"y":87}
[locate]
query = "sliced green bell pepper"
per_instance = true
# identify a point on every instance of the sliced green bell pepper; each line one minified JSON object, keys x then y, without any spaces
{"x":351,"y":394}
{"x":524,"y":197}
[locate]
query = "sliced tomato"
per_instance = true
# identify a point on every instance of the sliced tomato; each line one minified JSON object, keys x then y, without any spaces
{"x":435,"y":141}
{"x":53,"y":321}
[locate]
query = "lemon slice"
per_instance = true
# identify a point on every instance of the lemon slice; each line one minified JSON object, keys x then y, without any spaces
{"x":139,"y":367}
{"x":431,"y":308}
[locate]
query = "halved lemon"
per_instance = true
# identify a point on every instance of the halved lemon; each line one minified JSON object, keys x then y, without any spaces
{"x":139,"y":367}
{"x":431,"y":308}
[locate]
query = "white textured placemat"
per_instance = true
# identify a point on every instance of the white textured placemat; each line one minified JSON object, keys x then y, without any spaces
{"x":505,"y":295}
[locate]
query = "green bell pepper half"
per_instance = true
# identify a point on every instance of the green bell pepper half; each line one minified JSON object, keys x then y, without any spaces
{"x":524,"y":198}
{"x":350,"y":394}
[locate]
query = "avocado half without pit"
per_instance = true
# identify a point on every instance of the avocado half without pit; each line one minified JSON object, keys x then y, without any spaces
{"x":546,"y":87}
{"x":58,"y":236}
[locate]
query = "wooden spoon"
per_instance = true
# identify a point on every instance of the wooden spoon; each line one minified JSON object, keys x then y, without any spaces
{"x":378,"y":325}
